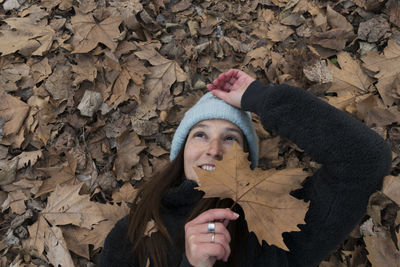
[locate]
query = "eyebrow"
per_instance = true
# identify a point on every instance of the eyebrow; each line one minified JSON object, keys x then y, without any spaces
{"x":226,"y":129}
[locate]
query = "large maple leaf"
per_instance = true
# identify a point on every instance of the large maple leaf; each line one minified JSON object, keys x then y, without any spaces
{"x":264,"y":195}
{"x":89,"y":33}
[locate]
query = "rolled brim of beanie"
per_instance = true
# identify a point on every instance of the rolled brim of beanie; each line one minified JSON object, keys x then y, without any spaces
{"x":210,"y":107}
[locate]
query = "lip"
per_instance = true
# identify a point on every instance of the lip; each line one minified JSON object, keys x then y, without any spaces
{"x":206,"y":164}
{"x":207,"y":167}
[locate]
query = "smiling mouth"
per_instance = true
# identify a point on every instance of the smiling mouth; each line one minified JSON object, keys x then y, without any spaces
{"x":207,"y":167}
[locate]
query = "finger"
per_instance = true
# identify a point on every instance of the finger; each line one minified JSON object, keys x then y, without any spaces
{"x":215,"y":214}
{"x":202,"y":229}
{"x":232,"y":73}
{"x":210,"y":250}
{"x":219,"y":82}
{"x":218,"y":239}
{"x":207,"y":238}
{"x":225,"y":222}
{"x":211,"y":87}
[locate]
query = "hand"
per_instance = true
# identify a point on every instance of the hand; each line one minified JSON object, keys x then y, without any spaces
{"x":199,"y":249}
{"x":230,"y":86}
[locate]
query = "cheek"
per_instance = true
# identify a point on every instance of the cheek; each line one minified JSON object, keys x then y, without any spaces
{"x":191,"y":153}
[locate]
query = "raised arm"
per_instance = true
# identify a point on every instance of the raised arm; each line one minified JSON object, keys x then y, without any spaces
{"x":354,"y":161}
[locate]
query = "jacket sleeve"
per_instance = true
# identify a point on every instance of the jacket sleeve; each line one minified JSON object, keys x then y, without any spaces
{"x":354,"y":161}
{"x":116,"y":251}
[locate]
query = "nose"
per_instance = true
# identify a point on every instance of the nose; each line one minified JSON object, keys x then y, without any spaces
{"x":215,"y":149}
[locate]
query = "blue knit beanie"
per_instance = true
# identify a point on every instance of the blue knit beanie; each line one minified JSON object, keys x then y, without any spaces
{"x":210,"y":107}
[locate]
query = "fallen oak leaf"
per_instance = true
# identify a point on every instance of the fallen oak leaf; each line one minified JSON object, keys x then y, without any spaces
{"x":264,"y":195}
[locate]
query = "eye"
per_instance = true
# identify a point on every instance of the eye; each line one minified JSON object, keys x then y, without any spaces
{"x":199,"y":135}
{"x":230,"y":138}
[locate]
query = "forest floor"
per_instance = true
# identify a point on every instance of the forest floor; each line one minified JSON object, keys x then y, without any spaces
{"x":92,"y":92}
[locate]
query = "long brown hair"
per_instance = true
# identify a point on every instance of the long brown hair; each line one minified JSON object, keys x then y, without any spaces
{"x":147,"y":207}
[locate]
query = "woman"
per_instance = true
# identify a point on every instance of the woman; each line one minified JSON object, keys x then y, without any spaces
{"x":202,"y":232}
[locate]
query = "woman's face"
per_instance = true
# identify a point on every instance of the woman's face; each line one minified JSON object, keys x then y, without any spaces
{"x":207,"y":141}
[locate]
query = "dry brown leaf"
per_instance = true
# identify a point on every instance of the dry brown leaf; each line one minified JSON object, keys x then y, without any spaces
{"x":84,"y":70}
{"x":264,"y":195}
{"x":164,"y":73}
{"x":350,"y":78}
{"x":335,"y":39}
{"x":74,"y":237}
{"x":126,"y":193}
{"x":85,"y":6}
{"x":62,"y":4}
{"x":387,"y":68}
{"x":391,"y":188}
{"x":163,"y":76}
{"x":336,"y":20}
{"x":128,"y":148}
{"x":41,"y":70}
{"x":89,"y":33}
{"x":13,"y":111}
{"x":28,"y":158}
{"x":15,"y":201}
{"x":131,"y":70}
{"x":394,"y":7}
{"x":12,"y":75}
{"x":340,"y":33}
{"x":64,"y":175}
{"x":381,"y":250}
{"x":269,"y":148}
{"x":58,"y":84}
{"x":156,"y":150}
{"x":258,"y":57}
{"x":49,"y":238}
{"x":26,"y":35}
{"x":398,"y":238}
{"x":27,"y":186}
{"x":8,"y":169}
{"x":66,"y":206}
{"x":127,"y":10}
{"x":151,"y":228}
{"x":278,"y":32}
{"x":372,"y":113}
{"x":181,"y":5}
{"x":112,"y":214}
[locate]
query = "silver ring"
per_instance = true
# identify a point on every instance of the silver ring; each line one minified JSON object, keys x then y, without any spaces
{"x":212,"y":237}
{"x":211,"y":227}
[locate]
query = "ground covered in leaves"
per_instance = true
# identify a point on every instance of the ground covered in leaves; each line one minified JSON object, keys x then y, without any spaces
{"x":92,"y":91}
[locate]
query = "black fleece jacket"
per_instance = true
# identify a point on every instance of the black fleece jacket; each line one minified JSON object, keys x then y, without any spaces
{"x":354,"y":161}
